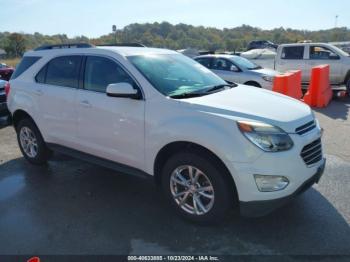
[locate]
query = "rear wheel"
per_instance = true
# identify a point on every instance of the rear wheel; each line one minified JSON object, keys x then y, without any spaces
{"x":31,"y":142}
{"x":348,"y":86}
{"x":196,"y":188}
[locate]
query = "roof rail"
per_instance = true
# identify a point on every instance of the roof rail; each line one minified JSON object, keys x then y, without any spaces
{"x":62,"y":46}
{"x":125,"y":44}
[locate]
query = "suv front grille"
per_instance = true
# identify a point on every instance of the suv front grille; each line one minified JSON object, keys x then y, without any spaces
{"x":312,"y":153}
{"x":305,"y":128}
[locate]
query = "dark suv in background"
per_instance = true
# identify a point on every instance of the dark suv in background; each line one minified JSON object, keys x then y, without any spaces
{"x":3,"y":105}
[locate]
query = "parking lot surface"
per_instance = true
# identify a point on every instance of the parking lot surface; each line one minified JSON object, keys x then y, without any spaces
{"x":73,"y":207}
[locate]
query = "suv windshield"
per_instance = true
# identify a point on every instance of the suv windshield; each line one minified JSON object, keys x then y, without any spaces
{"x":242,"y":62}
{"x":175,"y":74}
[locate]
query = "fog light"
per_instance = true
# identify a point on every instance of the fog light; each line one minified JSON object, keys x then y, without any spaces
{"x":270,"y":183}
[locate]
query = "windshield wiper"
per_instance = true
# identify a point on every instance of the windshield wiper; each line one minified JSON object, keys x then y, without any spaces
{"x":219,"y":87}
{"x":203,"y":92}
{"x":187,"y":95}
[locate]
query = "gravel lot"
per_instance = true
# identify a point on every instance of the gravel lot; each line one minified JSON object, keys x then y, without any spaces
{"x":73,"y":207}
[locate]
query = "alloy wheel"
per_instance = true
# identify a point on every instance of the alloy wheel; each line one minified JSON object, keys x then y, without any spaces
{"x":28,"y":142}
{"x":192,"y":190}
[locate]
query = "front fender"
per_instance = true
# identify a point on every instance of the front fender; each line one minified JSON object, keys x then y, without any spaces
{"x":220,"y":136}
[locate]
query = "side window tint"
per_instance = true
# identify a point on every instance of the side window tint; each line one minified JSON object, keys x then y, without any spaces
{"x":64,"y":71}
{"x":204,"y":61}
{"x":26,"y":62}
{"x":293,"y":52}
{"x":40,"y":77}
{"x":222,"y":64}
{"x":322,"y":53}
{"x":101,"y":71}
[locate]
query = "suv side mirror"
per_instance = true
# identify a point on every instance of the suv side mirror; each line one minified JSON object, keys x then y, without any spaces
{"x":234,"y":68}
{"x":122,"y":90}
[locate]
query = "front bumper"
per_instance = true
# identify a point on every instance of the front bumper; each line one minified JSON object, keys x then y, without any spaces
{"x":261,"y":208}
{"x":266,"y":85}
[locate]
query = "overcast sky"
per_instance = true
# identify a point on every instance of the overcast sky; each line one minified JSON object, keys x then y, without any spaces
{"x":94,"y":18}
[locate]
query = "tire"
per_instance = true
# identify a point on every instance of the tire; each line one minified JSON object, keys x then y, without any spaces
{"x":31,"y":142}
{"x":348,"y":86}
{"x":221,"y":198}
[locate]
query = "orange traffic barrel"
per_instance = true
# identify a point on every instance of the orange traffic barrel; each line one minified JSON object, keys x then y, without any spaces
{"x":319,"y":93}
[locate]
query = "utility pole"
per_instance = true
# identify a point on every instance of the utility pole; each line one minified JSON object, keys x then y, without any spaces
{"x":114,"y":29}
{"x":336,"y":21}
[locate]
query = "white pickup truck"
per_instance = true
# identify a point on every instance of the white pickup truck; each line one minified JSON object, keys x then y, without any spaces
{"x":304,"y":56}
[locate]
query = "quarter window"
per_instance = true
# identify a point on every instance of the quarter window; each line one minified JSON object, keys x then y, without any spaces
{"x":62,"y":71}
{"x":100,"y":72}
{"x":26,"y":62}
{"x":293,"y":52}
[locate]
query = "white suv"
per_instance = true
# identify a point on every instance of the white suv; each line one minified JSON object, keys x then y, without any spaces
{"x":208,"y":144}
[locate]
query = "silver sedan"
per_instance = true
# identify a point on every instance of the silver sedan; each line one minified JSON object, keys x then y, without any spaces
{"x":238,"y":70}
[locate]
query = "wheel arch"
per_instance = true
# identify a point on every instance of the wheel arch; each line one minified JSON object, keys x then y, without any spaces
{"x":183,"y":146}
{"x":252,"y":83}
{"x":18,"y":115}
{"x":347,"y":77}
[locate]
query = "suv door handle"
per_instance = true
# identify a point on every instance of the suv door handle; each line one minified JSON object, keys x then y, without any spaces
{"x":85,"y":103}
{"x":38,"y":92}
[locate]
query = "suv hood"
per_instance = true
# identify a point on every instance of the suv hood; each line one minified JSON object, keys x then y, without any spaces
{"x":251,"y":103}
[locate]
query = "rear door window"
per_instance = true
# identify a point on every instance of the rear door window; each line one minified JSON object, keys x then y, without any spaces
{"x":62,"y":71}
{"x":205,"y":61}
{"x":222,"y":64}
{"x":41,"y":76}
{"x":293,"y":52}
{"x":26,"y":62}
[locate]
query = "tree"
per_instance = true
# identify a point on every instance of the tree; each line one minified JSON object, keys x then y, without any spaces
{"x":233,"y":44}
{"x":178,"y":36}
{"x":15,"y":46}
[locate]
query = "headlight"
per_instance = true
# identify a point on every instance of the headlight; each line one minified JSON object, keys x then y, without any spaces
{"x":268,"y":78}
{"x":267,"y":137}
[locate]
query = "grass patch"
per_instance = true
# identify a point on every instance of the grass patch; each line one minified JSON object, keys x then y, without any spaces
{"x":11,"y":61}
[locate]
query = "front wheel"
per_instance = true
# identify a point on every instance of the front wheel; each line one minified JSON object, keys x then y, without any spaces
{"x":31,"y":142}
{"x":348,"y":86}
{"x":196,"y":188}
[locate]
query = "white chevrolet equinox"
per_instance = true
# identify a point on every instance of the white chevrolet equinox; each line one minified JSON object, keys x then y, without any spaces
{"x":210,"y":145}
